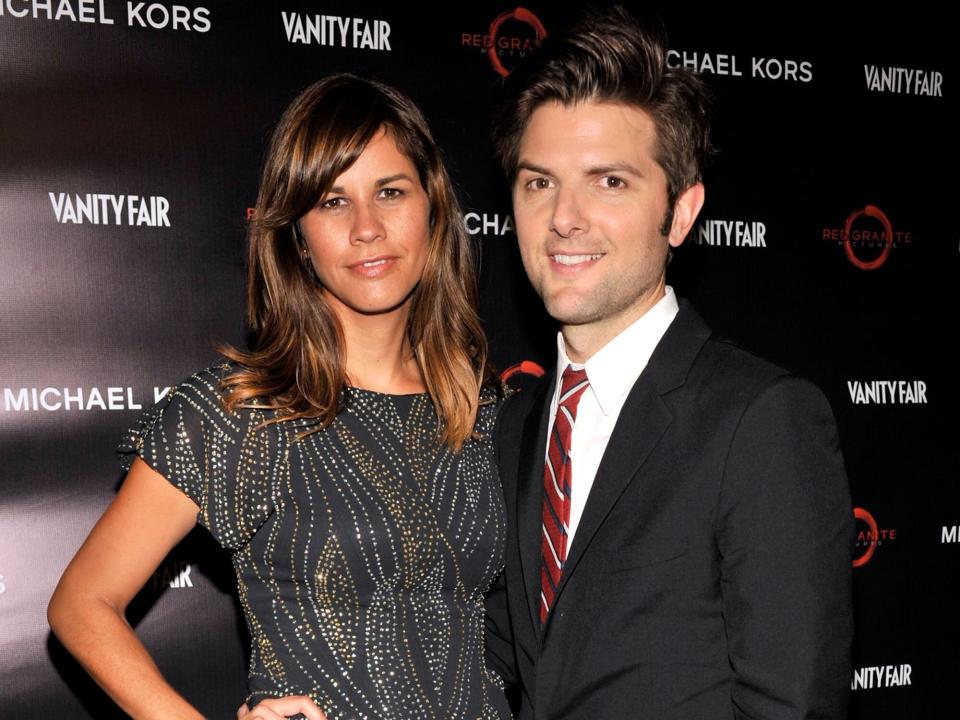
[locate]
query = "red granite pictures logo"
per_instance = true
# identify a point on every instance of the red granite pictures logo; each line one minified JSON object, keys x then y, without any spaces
{"x":868,"y":237}
{"x":870,"y":537}
{"x":511,"y":36}
{"x":525,"y":367}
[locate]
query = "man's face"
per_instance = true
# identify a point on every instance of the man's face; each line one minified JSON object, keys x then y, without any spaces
{"x":589,"y":201}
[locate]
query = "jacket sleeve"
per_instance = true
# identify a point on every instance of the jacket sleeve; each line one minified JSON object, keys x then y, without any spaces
{"x":785,"y":529}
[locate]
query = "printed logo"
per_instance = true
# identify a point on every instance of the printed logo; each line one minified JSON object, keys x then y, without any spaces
{"x":730,"y":233}
{"x":950,"y":534}
{"x":336,"y":31}
{"x":519,"y":376}
{"x":52,"y":399}
{"x":174,"y":574}
{"x":865,"y":231}
{"x":487,"y":224}
{"x":159,"y":17}
{"x":139,"y":14}
{"x":525,"y":367}
{"x":881,"y":676}
{"x":102,"y":209}
{"x":511,"y":37}
{"x":869,"y":537}
{"x":762,"y":68}
{"x":887,"y":392}
{"x":904,"y":81}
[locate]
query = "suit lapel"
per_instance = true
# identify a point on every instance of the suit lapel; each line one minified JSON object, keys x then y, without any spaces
{"x":533,"y":448}
{"x":642,"y":423}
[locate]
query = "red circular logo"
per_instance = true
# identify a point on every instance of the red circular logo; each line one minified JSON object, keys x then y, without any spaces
{"x":874,"y":534}
{"x":527,"y":367}
{"x":877,"y":214}
{"x":520,"y":15}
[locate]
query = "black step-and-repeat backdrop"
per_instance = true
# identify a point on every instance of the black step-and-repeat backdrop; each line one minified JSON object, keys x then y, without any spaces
{"x":131,"y":136}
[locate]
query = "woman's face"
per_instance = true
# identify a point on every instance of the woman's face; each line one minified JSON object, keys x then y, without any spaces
{"x":368,"y":236}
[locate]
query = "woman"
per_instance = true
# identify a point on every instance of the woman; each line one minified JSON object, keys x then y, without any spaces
{"x":345,"y":461}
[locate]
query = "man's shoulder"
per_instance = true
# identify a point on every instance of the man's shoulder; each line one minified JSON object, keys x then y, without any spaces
{"x":690,"y":339}
{"x":724,"y":368}
{"x":519,"y":403}
{"x":737,"y":378}
{"x":730,"y":361}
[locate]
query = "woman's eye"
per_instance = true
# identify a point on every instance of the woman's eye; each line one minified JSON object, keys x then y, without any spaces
{"x":538,"y":183}
{"x":333,"y":203}
{"x":391,"y":193}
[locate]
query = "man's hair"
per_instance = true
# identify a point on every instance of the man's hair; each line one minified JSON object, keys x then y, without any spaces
{"x":607,"y":56}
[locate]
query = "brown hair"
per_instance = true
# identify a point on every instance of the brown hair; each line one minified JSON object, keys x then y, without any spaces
{"x":296,"y":362}
{"x":609,"y":57}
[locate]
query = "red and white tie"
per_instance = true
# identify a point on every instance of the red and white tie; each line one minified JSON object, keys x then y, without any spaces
{"x":556,"y":487}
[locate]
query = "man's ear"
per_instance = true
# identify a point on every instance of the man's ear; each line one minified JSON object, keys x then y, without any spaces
{"x":685,"y":211}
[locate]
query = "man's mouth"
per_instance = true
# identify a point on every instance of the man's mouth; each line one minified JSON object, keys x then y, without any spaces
{"x":575,"y":259}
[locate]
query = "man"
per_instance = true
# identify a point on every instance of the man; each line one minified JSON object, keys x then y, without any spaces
{"x":680,"y":525}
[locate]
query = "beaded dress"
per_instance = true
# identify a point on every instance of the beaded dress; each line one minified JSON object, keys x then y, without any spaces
{"x":362,"y":552}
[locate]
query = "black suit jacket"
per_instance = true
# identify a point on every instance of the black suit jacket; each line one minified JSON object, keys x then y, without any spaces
{"x":710,"y":574}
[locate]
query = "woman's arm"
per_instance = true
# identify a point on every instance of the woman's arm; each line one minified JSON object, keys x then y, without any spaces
{"x":145,"y":521}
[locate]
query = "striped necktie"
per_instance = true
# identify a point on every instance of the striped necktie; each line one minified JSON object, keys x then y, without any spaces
{"x":557,"y":474}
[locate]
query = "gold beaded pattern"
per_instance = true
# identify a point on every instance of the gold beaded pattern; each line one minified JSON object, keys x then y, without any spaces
{"x":362,"y":552}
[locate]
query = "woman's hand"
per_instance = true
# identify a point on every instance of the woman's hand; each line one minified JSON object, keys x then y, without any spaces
{"x":279,"y":708}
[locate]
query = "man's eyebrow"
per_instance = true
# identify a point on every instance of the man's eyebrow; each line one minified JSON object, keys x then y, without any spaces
{"x":525,"y":165}
{"x":605,"y":169}
{"x":615,"y":168}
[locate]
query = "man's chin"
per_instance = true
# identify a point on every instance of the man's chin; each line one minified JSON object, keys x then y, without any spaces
{"x":571,"y":315}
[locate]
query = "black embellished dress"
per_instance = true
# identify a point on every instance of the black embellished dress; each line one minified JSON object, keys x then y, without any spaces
{"x":362,"y":551}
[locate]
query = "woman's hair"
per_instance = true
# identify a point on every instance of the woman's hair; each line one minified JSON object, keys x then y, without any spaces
{"x":296,"y":361}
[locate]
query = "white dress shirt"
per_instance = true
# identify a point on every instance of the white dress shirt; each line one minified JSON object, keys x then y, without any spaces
{"x":612,"y":372}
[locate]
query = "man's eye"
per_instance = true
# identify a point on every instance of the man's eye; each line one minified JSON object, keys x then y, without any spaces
{"x":538,"y":183}
{"x":613,"y":182}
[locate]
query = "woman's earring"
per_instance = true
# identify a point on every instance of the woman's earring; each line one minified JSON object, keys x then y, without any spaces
{"x":305,"y":253}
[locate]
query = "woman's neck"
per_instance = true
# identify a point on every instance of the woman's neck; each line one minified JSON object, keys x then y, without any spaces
{"x":378,"y":353}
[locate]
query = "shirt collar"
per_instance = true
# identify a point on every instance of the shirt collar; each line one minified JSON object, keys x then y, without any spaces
{"x":614,"y":368}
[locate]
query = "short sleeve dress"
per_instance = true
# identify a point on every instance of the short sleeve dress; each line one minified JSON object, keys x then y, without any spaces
{"x":362,"y":552}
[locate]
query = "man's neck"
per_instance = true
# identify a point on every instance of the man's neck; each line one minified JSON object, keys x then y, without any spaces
{"x":582,"y":342}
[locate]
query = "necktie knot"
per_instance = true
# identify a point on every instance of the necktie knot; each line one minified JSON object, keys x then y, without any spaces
{"x":572,"y":385}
